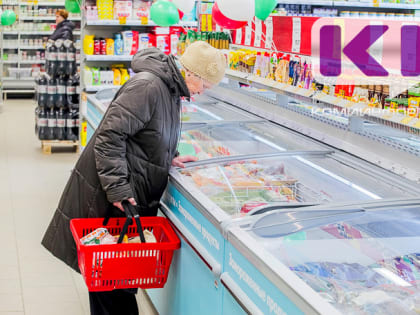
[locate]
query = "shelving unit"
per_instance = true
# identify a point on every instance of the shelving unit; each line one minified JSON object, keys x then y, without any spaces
{"x":360,"y":4}
{"x":17,"y":34}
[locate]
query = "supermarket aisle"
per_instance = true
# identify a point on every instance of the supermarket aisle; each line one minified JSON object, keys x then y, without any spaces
{"x":32,"y":282}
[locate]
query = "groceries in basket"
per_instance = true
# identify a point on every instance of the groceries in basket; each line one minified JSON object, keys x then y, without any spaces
{"x":101,"y":236}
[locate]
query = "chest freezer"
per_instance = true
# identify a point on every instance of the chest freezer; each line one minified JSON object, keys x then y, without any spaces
{"x":240,"y":138}
{"x":361,"y":260}
{"x":243,"y":186}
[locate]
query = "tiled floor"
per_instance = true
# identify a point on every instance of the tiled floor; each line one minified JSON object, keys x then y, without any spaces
{"x":32,"y":281}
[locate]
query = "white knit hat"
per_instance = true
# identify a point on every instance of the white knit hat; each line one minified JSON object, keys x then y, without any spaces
{"x":205,"y":61}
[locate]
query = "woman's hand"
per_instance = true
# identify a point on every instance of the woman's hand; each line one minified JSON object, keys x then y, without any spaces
{"x":180,"y":160}
{"x":118,"y":204}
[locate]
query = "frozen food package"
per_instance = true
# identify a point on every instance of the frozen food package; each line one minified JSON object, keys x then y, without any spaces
{"x":95,"y":237}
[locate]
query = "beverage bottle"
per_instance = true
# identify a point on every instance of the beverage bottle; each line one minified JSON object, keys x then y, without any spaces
{"x":76,"y":88}
{"x":118,"y":44}
{"x":61,"y":57}
{"x":51,"y":92}
{"x":71,"y":58}
{"x":75,"y":117}
{"x":51,"y":125}
{"x":37,"y":111}
{"x":102,"y":46}
{"x":60,"y":132}
{"x":61,"y":93}
{"x":52,"y":60}
{"x":42,"y":124}
{"x":97,"y":47}
{"x":42,"y":91}
{"x":70,"y":91}
{"x":70,"y":126}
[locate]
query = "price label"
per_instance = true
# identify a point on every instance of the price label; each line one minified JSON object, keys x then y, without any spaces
{"x":238,"y":39}
{"x":258,"y":33}
{"x":248,"y":35}
{"x":296,"y":36}
{"x":269,"y":32}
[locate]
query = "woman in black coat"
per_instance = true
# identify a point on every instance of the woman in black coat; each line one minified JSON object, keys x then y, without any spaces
{"x":64,"y":29}
{"x":131,"y":152}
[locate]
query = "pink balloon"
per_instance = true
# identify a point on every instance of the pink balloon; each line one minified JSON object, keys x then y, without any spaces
{"x":225,"y":22}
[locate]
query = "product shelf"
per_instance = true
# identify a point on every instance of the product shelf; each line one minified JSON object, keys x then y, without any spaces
{"x":134,"y":23}
{"x":31,"y":47}
{"x":47,"y":3}
{"x":44,"y":18}
{"x":396,"y":120}
{"x":361,"y":4}
{"x":109,"y":58}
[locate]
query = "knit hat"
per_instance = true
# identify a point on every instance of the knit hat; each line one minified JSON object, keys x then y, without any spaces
{"x":205,"y":61}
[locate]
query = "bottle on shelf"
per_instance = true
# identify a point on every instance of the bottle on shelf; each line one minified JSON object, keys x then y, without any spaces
{"x":51,"y":92}
{"x":70,"y":57}
{"x":42,"y":91}
{"x":42,"y":124}
{"x":70,"y":126}
{"x":52,"y":60}
{"x":61,"y":93}
{"x":51,"y":124}
{"x":61,"y":57}
{"x":60,"y":130}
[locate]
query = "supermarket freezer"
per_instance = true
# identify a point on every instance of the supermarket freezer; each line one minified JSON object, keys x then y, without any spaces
{"x":355,"y":259}
{"x":202,"y":200}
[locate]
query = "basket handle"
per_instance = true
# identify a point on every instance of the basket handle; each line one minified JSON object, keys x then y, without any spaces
{"x":131,"y":212}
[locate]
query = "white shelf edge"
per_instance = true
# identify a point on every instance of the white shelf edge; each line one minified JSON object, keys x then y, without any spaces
{"x":20,"y":79}
{"x":10,"y":61}
{"x":44,"y":18}
{"x":96,"y":88}
{"x":108,"y":58}
{"x":28,"y":62}
{"x":31,"y":47}
{"x":133,"y":23}
{"x":52,"y":4}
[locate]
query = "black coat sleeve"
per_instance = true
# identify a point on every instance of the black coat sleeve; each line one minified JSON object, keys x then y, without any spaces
{"x":126,"y":116}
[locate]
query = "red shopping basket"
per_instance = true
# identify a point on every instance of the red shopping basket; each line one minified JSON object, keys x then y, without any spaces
{"x":123,"y":266}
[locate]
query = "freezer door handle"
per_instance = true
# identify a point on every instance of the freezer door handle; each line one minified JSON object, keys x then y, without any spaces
{"x":241,"y":298}
{"x":199,"y":249}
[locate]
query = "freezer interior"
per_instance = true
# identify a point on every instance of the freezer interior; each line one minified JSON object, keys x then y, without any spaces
{"x":214,"y":140}
{"x":360,"y":261}
{"x":242,"y":186}
{"x":212,"y":110}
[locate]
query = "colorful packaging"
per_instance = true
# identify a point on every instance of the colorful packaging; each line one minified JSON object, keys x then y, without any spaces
{"x":105,"y":9}
{"x":109,"y":46}
{"x":95,"y":237}
{"x":141,"y":10}
{"x":88,"y":43}
{"x":144,"y":40}
{"x":118,"y":45}
{"x":117,"y":76}
{"x":123,"y":9}
{"x":124,"y":75}
{"x":96,"y":76}
{"x":97,"y":47}
{"x":102,"y":45}
{"x":127,"y":37}
{"x":135,"y":45}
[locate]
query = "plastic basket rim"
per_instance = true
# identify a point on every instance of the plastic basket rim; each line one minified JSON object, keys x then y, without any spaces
{"x":173,"y":243}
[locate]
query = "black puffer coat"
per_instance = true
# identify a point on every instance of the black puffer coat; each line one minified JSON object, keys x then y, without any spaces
{"x":130,"y":153}
{"x":64,"y":31}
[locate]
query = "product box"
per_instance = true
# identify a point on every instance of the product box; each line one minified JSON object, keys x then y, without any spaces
{"x":141,"y":10}
{"x":105,"y":9}
{"x":123,"y":9}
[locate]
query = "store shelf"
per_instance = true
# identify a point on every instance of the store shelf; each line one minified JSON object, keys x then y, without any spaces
{"x":11,"y":32}
{"x":134,"y":23}
{"x":360,"y":4}
{"x":108,"y":58}
{"x":20,"y":79}
{"x":10,"y":47}
{"x":96,"y":88}
{"x":50,"y":4}
{"x":10,"y":61}
{"x":24,"y":62}
{"x":43,"y":32}
{"x":31,"y":47}
{"x":380,"y":116}
{"x":44,"y":18}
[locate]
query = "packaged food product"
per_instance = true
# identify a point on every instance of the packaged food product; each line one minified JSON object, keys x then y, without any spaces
{"x":109,"y":46}
{"x":124,"y":75}
{"x":148,"y":236}
{"x":127,"y":37}
{"x":95,"y":237}
{"x":144,"y":40}
{"x":88,"y":42}
{"x":123,"y":9}
{"x":117,"y":76}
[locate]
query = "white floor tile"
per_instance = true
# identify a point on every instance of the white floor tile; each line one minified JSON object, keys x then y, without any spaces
{"x":11,"y":302}
{"x":51,"y":308}
{"x":11,"y":286}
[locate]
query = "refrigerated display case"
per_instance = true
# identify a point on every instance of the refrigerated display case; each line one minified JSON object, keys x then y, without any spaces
{"x":354,"y":259}
{"x":210,"y":140}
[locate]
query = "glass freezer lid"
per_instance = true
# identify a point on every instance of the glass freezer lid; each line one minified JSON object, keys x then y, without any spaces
{"x":239,"y":187}
{"x":362,"y":262}
{"x":216,"y":111}
{"x":230,"y":139}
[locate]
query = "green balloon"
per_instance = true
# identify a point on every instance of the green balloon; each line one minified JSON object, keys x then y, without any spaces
{"x":72,"y":6}
{"x":263,"y":8}
{"x":164,"y":13}
{"x":8,"y":17}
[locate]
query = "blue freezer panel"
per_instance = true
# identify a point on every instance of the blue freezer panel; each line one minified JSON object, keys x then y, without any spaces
{"x":204,"y":231}
{"x":264,"y":294}
{"x":230,"y":306}
{"x":94,"y":114}
{"x":190,"y":289}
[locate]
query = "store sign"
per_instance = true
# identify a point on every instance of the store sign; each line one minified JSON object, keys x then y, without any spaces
{"x":383,"y":51}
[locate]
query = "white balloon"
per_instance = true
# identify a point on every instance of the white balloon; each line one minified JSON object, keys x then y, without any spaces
{"x":238,"y":10}
{"x":184,"y":5}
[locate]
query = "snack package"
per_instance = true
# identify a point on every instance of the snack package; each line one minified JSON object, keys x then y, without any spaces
{"x":148,"y":236}
{"x":95,"y":237}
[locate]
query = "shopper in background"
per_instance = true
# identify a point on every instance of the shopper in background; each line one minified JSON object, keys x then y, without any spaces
{"x":64,"y":29}
{"x":131,"y":152}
